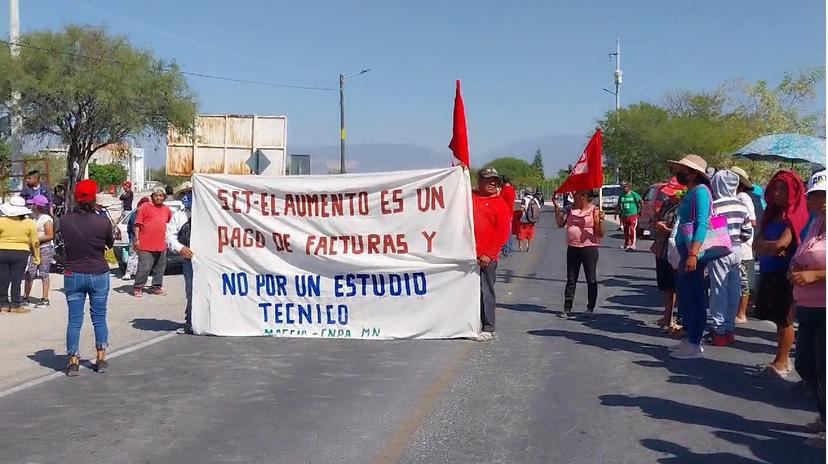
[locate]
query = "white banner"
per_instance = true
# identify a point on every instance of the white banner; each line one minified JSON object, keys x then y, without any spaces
{"x":368,"y":256}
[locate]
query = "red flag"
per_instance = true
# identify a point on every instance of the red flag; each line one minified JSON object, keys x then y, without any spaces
{"x":588,"y":172}
{"x":459,"y":144}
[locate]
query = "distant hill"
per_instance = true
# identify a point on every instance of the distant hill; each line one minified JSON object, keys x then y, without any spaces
{"x":559,"y":151}
{"x":373,"y":157}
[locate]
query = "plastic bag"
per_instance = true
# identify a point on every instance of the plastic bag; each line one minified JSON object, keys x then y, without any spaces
{"x":132,"y":264}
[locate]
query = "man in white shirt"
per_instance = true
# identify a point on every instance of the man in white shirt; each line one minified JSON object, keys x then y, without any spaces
{"x":748,"y":266}
{"x":178,"y":240}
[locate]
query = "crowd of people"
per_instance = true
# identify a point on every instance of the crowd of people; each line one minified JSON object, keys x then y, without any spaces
{"x":709,"y":233}
{"x":29,"y":225}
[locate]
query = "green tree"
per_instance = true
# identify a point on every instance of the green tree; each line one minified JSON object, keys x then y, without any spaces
{"x":519,"y":172}
{"x":640,"y":138}
{"x":537,"y":162}
{"x":90,"y":89}
{"x":107,"y":174}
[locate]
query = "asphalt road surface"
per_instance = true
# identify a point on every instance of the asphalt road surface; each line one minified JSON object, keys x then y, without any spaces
{"x":546,"y":391}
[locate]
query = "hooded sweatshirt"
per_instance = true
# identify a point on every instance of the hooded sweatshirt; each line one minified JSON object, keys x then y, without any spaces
{"x":725,"y":203}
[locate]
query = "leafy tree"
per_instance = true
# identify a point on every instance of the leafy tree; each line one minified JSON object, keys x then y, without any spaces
{"x":642,"y":137}
{"x":519,"y":172}
{"x":107,"y":174}
{"x":90,"y":89}
{"x":537,"y":162}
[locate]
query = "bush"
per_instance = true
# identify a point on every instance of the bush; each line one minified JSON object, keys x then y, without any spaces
{"x":107,"y":174}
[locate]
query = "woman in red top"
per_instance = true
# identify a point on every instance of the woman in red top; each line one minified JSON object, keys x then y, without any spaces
{"x":584,"y":230}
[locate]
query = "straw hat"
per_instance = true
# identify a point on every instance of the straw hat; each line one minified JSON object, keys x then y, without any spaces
{"x":744,"y":179}
{"x":185,"y":186}
{"x":694,"y":162}
{"x":16,"y":206}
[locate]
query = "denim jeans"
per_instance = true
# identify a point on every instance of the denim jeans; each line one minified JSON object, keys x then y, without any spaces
{"x":725,"y":292}
{"x":77,"y":287}
{"x":690,"y":296}
{"x":188,"y":291}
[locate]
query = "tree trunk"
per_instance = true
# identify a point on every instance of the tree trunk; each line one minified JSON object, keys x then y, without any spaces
{"x":75,"y":153}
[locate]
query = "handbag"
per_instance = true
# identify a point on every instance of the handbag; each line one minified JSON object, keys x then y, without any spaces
{"x":673,"y":255}
{"x":716,"y":243}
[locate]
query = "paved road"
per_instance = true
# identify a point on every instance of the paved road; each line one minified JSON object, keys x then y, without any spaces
{"x":547,"y":391}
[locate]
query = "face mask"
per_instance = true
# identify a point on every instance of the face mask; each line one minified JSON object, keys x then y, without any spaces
{"x":683,"y":178}
{"x":187,"y":200}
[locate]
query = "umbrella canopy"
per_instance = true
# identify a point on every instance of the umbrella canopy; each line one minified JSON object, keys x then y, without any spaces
{"x":792,"y":148}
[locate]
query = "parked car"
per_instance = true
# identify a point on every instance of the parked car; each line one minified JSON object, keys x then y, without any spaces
{"x":652,"y":201}
{"x":611,"y":194}
{"x":121,"y":247}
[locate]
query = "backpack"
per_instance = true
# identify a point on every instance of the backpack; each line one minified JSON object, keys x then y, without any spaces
{"x":184,"y":233}
{"x":533,"y":211}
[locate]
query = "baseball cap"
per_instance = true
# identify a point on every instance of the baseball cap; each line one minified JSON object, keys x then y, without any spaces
{"x":488,"y":172}
{"x":38,"y":200}
{"x":818,"y":182}
{"x":86,"y":191}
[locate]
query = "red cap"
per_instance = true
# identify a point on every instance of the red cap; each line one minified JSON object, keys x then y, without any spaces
{"x":86,"y":191}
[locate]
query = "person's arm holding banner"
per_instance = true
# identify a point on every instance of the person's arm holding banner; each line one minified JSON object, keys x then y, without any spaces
{"x":560,"y":218}
{"x":598,"y":222}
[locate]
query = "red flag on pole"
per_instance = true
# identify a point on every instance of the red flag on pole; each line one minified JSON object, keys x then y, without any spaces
{"x":459,"y":144}
{"x":588,"y":172}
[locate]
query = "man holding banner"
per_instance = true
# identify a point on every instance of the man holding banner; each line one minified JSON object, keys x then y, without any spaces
{"x":492,"y":219}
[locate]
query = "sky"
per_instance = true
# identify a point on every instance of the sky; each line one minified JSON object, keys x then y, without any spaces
{"x":529,"y":69}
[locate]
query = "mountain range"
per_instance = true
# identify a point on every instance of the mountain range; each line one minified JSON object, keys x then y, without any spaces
{"x":558,"y":152}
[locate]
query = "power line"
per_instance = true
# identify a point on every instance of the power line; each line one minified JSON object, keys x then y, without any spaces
{"x":188,"y":73}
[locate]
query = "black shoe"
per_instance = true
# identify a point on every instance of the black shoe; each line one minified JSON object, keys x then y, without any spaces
{"x":101,"y":366}
{"x":565,"y":314}
{"x":73,"y":369}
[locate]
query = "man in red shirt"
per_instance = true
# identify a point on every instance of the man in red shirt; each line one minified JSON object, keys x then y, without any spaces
{"x":507,"y":192}
{"x":151,"y":243}
{"x":492,"y":220}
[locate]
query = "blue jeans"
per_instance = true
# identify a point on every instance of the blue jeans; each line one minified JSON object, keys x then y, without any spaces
{"x":690,"y":296}
{"x":188,"y":291}
{"x":77,"y":287}
{"x":725,"y":292}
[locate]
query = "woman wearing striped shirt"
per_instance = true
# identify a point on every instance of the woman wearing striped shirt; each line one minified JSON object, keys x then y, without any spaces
{"x":724,"y":273}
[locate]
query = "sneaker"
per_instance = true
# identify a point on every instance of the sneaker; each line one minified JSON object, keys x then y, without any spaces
{"x":731,"y":338}
{"x":690,"y":351}
{"x":565,"y":314}
{"x":681,"y":345}
{"x":101,"y":365}
{"x":26,"y":302}
{"x":42,"y":304}
{"x":138,"y":292}
{"x":184,"y":331}
{"x":817,"y":441}
{"x":485,"y":336}
{"x":73,"y":369}
{"x":126,"y":277}
{"x":158,"y":291}
{"x":718,"y":340}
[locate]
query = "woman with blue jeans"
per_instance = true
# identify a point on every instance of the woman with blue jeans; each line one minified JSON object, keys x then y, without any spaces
{"x":86,"y":235}
{"x":690,"y":286}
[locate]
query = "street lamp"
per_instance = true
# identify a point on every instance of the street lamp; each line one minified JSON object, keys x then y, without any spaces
{"x":342,"y":79}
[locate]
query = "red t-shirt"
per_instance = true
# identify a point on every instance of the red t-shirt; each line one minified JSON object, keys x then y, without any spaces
{"x":153,"y":231}
{"x":491,"y":224}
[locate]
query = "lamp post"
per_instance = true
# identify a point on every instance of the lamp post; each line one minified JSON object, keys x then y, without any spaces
{"x":342,"y":79}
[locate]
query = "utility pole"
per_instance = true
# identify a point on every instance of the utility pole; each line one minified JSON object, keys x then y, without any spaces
{"x":342,"y":124}
{"x":342,"y":79}
{"x":15,"y":116}
{"x":618,"y":74}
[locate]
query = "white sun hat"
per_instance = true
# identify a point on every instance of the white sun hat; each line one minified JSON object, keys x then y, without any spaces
{"x":16,"y":206}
